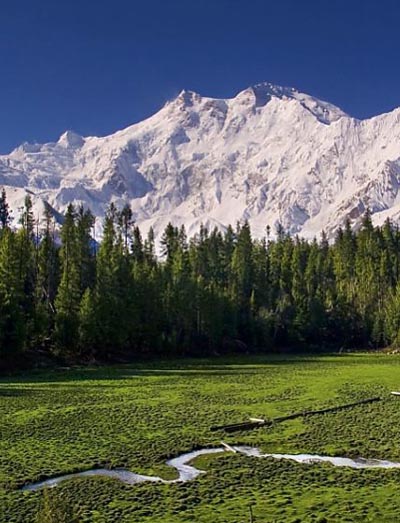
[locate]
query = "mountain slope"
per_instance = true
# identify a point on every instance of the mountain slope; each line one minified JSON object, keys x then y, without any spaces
{"x":269,"y":155}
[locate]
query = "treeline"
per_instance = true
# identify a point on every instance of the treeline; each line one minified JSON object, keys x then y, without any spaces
{"x":62,"y":293}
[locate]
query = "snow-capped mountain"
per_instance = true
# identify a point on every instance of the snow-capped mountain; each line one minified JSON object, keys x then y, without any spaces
{"x":270,"y":154}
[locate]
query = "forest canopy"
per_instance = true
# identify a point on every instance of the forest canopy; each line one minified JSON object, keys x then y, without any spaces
{"x":62,"y":293}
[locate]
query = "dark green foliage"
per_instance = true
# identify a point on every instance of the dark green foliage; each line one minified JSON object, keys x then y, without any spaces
{"x":47,"y":280}
{"x":5,"y":217}
{"x":12,"y":320}
{"x":216,"y":292}
{"x":69,"y":291}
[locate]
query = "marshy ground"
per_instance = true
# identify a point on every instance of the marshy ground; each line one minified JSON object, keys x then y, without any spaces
{"x":138,"y":416}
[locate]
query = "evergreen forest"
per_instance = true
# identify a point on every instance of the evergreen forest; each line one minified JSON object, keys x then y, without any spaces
{"x":63,"y":294}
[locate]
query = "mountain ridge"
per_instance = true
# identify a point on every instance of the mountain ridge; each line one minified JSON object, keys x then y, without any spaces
{"x":269,"y":155}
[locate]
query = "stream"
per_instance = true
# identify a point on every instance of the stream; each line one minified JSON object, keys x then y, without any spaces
{"x":187,"y":472}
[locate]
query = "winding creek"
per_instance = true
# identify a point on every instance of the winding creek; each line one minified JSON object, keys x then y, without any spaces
{"x":187,"y":472}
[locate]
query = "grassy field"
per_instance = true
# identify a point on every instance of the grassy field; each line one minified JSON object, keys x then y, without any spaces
{"x":138,"y":416}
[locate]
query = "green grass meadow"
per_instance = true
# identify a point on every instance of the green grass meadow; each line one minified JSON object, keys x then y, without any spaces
{"x":138,"y":416}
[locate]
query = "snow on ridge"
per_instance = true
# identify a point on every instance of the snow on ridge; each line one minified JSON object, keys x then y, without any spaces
{"x":71,"y":139}
{"x":268,"y":155}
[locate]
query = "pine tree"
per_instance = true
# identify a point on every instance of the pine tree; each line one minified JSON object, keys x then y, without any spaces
{"x":5,"y":215}
{"x":149,"y":248}
{"x":85,"y":252}
{"x":27,"y":220}
{"x":169,"y":242}
{"x":138,"y":252}
{"x":301,"y":318}
{"x":367,"y":264}
{"x":12,"y":318}
{"x":241,"y":282}
{"x":392,"y":317}
{"x":126,"y":222}
{"x":47,"y":280}
{"x":27,"y":248}
{"x":87,"y":324}
{"x":69,"y":291}
{"x":113,"y":290}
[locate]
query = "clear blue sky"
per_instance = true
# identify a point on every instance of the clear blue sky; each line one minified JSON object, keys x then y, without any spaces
{"x":97,"y":66}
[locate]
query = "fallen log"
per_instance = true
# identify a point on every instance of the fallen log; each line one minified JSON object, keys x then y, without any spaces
{"x":247,"y":425}
{"x":324,"y":411}
{"x":255,"y":423}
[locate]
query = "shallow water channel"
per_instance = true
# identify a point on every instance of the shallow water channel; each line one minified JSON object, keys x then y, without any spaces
{"x":187,"y":472}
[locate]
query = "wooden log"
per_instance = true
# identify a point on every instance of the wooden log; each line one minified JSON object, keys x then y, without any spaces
{"x":256,"y":423}
{"x":324,"y":411}
{"x":343,"y":407}
{"x":247,"y":425}
{"x":395,"y":393}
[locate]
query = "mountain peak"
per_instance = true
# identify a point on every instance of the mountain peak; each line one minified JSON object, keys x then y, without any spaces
{"x":269,"y":155}
{"x":260,"y":94}
{"x":325,"y":112}
{"x":71,"y":139}
{"x":266,"y":88}
{"x":187,"y":98}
